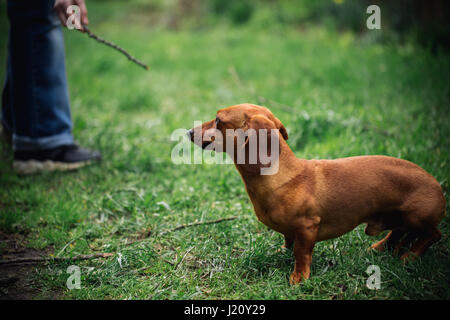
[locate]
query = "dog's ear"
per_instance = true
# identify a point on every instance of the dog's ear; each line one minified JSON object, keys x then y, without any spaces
{"x":281,"y":128}
{"x":259,"y":128}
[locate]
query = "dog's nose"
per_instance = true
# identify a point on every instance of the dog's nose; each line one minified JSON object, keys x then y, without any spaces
{"x":190,"y":133}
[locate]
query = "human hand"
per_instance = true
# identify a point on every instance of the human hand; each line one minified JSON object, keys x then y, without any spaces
{"x":61,"y":6}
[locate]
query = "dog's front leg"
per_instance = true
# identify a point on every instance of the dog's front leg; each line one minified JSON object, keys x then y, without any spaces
{"x":304,"y":241}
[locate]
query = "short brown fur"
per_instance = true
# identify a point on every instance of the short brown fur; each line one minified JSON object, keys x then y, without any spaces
{"x":314,"y":200}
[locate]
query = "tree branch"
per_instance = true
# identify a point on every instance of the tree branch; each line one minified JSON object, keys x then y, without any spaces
{"x":44,"y":259}
{"x":114,"y":46}
{"x":183,"y":226}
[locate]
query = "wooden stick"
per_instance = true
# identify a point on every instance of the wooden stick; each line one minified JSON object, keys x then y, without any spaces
{"x":197,"y":224}
{"x":182,"y":227}
{"x":44,"y":259}
{"x":114,"y":46}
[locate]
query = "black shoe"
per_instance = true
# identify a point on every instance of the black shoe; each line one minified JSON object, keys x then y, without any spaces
{"x":62,"y":158}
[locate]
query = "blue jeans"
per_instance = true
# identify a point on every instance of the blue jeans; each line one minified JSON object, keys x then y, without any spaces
{"x":35,"y":100}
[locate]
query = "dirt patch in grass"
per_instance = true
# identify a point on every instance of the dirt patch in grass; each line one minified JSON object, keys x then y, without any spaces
{"x":16,"y":281}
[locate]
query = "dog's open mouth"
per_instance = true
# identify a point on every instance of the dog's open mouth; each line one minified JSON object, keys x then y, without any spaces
{"x":206,"y":143}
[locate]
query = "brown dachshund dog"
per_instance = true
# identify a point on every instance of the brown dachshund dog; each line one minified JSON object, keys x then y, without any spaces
{"x":314,"y":200}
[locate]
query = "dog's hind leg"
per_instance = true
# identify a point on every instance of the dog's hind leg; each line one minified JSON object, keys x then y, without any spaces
{"x":391,"y":239}
{"x":406,"y":241}
{"x":422,"y":220}
{"x":423,"y":242}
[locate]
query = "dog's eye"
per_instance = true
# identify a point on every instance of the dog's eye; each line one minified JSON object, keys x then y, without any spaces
{"x":217,"y":121}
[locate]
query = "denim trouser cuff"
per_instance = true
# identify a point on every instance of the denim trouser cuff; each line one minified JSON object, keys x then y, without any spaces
{"x":26,"y":143}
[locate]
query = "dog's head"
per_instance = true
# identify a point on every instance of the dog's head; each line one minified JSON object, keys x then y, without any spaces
{"x":240,"y":125}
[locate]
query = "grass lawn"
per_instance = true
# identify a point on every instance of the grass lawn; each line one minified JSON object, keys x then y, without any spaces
{"x":338,"y":95}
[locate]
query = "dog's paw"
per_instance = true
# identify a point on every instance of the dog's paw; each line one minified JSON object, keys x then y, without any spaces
{"x":408,"y":257}
{"x":295,"y":278}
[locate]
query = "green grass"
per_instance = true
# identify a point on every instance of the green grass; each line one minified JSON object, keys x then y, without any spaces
{"x":346,"y":97}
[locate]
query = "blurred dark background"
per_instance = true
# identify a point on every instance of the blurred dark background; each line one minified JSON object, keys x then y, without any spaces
{"x":424,"y":22}
{"x":421,"y":22}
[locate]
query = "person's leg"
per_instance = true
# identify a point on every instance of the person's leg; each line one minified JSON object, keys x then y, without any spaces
{"x":36,"y":100}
